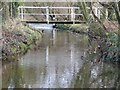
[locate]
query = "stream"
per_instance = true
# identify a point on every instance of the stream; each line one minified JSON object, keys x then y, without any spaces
{"x":57,"y":61}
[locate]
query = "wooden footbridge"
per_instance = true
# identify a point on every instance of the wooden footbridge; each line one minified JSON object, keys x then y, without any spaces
{"x":57,"y":15}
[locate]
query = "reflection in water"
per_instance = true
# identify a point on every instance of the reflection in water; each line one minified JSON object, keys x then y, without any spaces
{"x":54,"y":37}
{"x":101,"y":75}
{"x":0,"y":74}
{"x":54,"y":64}
{"x":94,"y":72}
{"x":47,"y":55}
{"x":57,"y":63}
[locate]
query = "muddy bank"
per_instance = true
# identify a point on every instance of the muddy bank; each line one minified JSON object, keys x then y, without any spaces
{"x":17,"y":39}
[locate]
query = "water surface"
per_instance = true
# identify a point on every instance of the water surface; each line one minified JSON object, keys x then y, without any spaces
{"x":52,"y":64}
{"x":57,"y":61}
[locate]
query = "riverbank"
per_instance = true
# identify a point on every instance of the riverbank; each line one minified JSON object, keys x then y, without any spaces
{"x":102,"y":44}
{"x":17,"y":39}
{"x":101,"y":66}
{"x":78,"y":28}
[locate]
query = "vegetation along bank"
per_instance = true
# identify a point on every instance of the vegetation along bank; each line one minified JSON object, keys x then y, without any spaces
{"x":17,"y":40}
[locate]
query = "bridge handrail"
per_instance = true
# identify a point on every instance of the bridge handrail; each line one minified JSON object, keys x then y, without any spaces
{"x":73,"y":14}
{"x":44,"y":7}
{"x":46,"y":14}
{"x":48,"y":7}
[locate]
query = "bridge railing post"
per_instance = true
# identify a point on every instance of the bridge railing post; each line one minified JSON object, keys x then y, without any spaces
{"x":106,"y":14}
{"x":18,"y":12}
{"x":47,"y":14}
{"x":99,"y":12}
{"x":22,"y":14}
{"x":72,"y":15}
{"x":96,"y":11}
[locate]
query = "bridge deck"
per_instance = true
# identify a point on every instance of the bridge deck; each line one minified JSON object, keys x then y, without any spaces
{"x":57,"y":22}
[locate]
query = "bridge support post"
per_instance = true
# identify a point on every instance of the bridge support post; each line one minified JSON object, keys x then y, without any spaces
{"x":47,"y":15}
